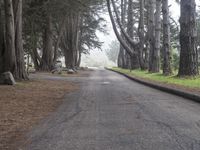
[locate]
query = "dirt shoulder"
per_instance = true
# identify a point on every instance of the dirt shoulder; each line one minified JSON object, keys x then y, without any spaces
{"x":24,"y":105}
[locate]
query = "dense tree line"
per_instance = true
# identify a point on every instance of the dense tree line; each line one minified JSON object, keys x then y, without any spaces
{"x":46,"y":30}
{"x":147,"y":34}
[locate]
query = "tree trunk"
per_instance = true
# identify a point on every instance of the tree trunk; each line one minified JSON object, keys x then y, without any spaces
{"x":47,"y":56}
{"x":121,"y":57}
{"x":57,"y":43}
{"x":20,"y":72}
{"x":141,"y":34}
{"x":34,"y":54}
{"x":70,"y":39}
{"x":10,"y":61}
{"x":79,"y":59}
{"x":132,"y":60}
{"x":156,"y":53}
{"x":166,"y":39}
{"x":2,"y":40}
{"x":188,"y":39}
{"x":122,"y":52}
{"x":151,"y":33}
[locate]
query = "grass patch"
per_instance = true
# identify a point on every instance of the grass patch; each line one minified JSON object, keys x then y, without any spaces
{"x":159,"y":77}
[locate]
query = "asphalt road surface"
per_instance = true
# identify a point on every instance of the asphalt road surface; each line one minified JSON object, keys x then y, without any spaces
{"x":111,"y":112}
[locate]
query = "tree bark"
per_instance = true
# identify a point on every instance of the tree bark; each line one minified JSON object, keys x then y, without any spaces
{"x":141,"y":34}
{"x":121,"y":56}
{"x":151,"y":34}
{"x":134,"y":62}
{"x":47,"y":56}
{"x":34,"y":53}
{"x":156,"y":54}
{"x":20,"y":72}
{"x":60,"y":34}
{"x":188,"y":39}
{"x":154,"y":36}
{"x":166,"y":39}
{"x":70,"y":39}
{"x":2,"y":40}
{"x":10,"y":57}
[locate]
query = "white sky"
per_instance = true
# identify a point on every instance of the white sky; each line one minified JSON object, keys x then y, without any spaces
{"x":107,"y":39}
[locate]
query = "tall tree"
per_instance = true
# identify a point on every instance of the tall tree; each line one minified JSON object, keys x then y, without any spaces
{"x":188,"y":39}
{"x":156,"y":58}
{"x":166,"y":39}
{"x":143,"y":56}
{"x":122,"y":52}
{"x":133,"y":60}
{"x":2,"y":38}
{"x":10,"y":55}
{"x":20,"y":72}
{"x":47,"y":56}
{"x":151,"y":30}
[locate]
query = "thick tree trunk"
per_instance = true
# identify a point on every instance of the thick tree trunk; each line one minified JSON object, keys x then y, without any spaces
{"x":69,"y":59}
{"x":141,"y":34}
{"x":166,"y":39}
{"x":2,"y":40}
{"x":57,"y":43}
{"x":188,"y":38}
{"x":10,"y":61}
{"x":70,"y":39}
{"x":47,"y":56}
{"x":156,"y":53}
{"x":122,"y":52}
{"x":133,"y":60}
{"x":20,"y":72}
{"x":151,"y":33}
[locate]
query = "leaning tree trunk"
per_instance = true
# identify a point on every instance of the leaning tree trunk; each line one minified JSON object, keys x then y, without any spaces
{"x":188,"y":39}
{"x":20,"y":72}
{"x":10,"y":61}
{"x":166,"y":39}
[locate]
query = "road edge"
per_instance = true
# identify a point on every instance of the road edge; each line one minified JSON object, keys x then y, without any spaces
{"x":178,"y":92}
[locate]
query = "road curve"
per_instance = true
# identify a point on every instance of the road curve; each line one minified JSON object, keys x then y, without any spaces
{"x":111,"y":112}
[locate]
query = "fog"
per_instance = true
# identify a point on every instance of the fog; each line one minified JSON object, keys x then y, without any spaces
{"x":98,"y":58}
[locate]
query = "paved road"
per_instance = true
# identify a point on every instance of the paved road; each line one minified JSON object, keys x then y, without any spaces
{"x":110,"y":112}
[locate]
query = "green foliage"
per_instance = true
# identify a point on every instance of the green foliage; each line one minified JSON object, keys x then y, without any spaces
{"x":175,"y":60}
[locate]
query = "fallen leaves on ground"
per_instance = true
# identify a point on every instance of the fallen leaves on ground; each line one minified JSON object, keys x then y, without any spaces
{"x":23,"y":105}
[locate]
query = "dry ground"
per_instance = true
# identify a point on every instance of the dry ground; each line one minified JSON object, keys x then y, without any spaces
{"x":23,"y":105}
